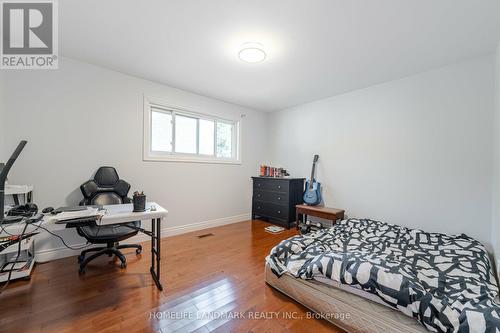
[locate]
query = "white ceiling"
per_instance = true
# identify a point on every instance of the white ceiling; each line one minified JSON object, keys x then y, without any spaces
{"x":316,"y":48}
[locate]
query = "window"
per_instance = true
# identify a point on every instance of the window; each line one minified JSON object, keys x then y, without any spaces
{"x":161,"y":131}
{"x":176,"y":134}
{"x":224,"y":139}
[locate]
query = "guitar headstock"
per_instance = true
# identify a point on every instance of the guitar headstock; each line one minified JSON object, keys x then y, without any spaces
{"x":316,"y":157}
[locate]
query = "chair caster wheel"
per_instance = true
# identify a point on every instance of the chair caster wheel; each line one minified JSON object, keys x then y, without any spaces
{"x":81,"y":270}
{"x":138,"y":251}
{"x":123,"y":265}
{"x":81,"y":259}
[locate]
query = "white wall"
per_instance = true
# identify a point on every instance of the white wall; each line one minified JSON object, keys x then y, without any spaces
{"x":80,"y":117}
{"x":416,"y":151}
{"x":495,"y":227}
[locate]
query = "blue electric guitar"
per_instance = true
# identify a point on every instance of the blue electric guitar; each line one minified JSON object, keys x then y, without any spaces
{"x":312,"y":194}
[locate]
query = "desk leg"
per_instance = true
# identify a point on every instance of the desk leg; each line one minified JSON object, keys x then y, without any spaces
{"x":155,"y":251}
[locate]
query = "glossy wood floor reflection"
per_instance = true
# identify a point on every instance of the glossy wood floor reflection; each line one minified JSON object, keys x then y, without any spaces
{"x":208,"y":282}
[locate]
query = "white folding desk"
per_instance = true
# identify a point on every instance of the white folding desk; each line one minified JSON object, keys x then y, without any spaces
{"x":115,"y":214}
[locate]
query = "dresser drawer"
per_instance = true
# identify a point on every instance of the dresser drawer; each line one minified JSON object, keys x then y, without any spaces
{"x":278,"y":211}
{"x":271,"y":184}
{"x":271,"y":196}
{"x":270,"y":209}
{"x":259,"y":208}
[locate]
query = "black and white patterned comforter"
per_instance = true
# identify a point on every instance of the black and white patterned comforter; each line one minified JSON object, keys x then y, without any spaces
{"x":446,"y":282}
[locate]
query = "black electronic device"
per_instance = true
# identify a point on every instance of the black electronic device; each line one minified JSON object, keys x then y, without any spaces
{"x":4,"y":171}
{"x":48,"y":210}
{"x":12,"y":219}
{"x":68,"y":209}
{"x":26,"y":210}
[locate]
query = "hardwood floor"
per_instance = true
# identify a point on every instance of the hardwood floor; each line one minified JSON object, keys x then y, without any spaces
{"x":208,"y":282}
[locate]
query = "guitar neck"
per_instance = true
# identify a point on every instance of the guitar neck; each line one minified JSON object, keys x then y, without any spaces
{"x":312,"y":176}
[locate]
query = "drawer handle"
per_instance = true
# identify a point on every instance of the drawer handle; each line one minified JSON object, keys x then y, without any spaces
{"x":279,"y":186}
{"x":279,"y":211}
{"x":279,"y":198}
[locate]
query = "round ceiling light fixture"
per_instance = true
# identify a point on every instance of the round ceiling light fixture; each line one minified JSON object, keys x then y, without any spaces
{"x":252,"y":53}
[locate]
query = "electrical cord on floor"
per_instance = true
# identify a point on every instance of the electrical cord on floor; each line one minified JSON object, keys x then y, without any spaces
{"x":15,"y":261}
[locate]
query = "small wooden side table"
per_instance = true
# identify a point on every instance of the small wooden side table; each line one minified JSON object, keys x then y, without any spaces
{"x":302,"y":211}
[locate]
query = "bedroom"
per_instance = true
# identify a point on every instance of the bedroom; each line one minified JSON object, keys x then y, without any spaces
{"x":187,"y":100}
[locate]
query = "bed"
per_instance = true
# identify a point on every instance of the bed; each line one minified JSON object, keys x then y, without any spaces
{"x":386,"y":277}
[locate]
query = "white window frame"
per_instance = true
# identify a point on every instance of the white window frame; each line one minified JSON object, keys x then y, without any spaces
{"x":150,"y":155}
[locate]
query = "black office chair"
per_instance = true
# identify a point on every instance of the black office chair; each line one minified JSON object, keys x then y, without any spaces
{"x":106,"y":189}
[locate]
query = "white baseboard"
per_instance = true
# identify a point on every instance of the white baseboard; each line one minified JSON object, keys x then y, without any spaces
{"x":63,"y":252}
{"x":172,"y":231}
{"x":57,"y":253}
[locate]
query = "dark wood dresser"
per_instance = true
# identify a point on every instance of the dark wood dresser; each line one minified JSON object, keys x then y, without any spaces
{"x":274,"y":199}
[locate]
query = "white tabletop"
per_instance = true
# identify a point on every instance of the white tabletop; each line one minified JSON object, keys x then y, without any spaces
{"x":124,"y":213}
{"x":114,"y":214}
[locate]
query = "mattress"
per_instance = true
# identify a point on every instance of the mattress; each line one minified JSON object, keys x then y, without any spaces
{"x":352,"y":313}
{"x":444,"y":281}
{"x":349,"y":289}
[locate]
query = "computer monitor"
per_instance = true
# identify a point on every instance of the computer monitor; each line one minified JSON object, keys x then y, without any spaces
{"x":4,"y":171}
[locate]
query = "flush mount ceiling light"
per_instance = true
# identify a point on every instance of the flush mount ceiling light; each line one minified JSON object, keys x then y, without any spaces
{"x":252,"y":52}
